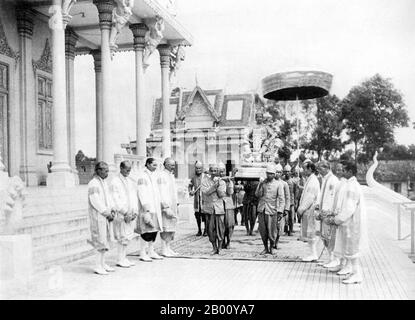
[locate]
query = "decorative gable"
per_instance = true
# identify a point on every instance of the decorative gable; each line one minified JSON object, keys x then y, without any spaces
{"x":45,"y":61}
{"x":4,"y":45}
{"x":198,"y":105}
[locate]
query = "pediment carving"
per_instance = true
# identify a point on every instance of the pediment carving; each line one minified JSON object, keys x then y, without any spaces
{"x":4,"y":44}
{"x":45,"y":61}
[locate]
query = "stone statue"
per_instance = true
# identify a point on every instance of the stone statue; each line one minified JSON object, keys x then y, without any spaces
{"x":66,"y":8}
{"x":152,"y":39}
{"x":120,"y":16}
{"x":261,"y":143}
{"x":177,"y":55}
{"x":11,"y":202}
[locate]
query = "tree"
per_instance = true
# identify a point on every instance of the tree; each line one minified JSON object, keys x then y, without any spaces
{"x":326,"y":134}
{"x":392,"y":151}
{"x":370,"y":113}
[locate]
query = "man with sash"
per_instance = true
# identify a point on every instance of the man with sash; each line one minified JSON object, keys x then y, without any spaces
{"x":270,"y":207}
{"x":229,"y":206}
{"x":324,"y":208}
{"x":213,"y":191}
{"x":194,"y":190}
{"x":101,"y":211}
{"x":169,"y":203}
{"x":308,"y":201}
{"x":124,"y":194}
{"x":149,"y":221}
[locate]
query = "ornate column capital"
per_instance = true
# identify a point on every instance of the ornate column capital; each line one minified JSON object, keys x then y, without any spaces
{"x":71,"y":38}
{"x":25,"y":16}
{"x":164,"y":51}
{"x":139,"y":31}
{"x":105,"y":8}
{"x":96,"y":54}
{"x":66,"y":9}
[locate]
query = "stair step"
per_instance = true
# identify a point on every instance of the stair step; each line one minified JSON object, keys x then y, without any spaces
{"x":59,"y":222}
{"x":47,"y":217}
{"x":50,"y":251}
{"x":67,"y":257}
{"x":52,"y":237}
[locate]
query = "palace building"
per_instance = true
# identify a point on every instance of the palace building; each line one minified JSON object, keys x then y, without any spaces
{"x":39,"y":42}
{"x":205,"y":125}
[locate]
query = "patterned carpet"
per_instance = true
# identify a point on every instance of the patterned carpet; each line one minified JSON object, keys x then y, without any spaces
{"x":244,"y":247}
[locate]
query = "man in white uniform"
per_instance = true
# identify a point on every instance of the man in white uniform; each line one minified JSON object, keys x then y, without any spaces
{"x":124,"y":194}
{"x":101,"y":216}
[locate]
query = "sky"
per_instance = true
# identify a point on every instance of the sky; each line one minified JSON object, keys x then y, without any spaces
{"x":239,"y":42}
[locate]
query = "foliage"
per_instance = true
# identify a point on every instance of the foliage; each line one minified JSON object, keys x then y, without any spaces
{"x":370,"y":113}
{"x":393,"y":151}
{"x":326,"y":134}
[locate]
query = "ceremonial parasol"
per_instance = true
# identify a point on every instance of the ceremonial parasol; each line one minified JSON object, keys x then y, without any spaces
{"x":297,"y":85}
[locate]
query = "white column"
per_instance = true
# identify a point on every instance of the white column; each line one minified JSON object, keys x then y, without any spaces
{"x":164,"y":51}
{"x":71,"y":39}
{"x":61,"y":175}
{"x":27,"y":95}
{"x":139,"y":31}
{"x":98,"y":101}
{"x":105,"y":8}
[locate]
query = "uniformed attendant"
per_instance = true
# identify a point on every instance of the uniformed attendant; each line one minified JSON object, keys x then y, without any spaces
{"x":194,"y":190}
{"x":213,"y":191}
{"x":228,"y":206}
{"x":270,"y":207}
{"x":291,"y":212}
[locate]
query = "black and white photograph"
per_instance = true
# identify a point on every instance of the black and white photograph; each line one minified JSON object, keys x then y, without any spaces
{"x":219,"y":152}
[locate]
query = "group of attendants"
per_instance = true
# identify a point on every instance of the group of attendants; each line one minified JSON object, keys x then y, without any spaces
{"x":327,"y":203}
{"x":124,"y":208}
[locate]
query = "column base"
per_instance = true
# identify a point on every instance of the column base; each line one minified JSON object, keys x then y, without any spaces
{"x":29,"y":176}
{"x":61,"y":179}
{"x":16,"y":258}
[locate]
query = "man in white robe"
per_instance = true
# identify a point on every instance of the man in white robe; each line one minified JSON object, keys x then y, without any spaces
{"x":149,"y":221}
{"x":341,"y":266}
{"x":101,"y":211}
{"x":352,"y":221}
{"x":325,"y":206}
{"x":169,"y":203}
{"x":124,"y":194}
{"x":308,"y":201}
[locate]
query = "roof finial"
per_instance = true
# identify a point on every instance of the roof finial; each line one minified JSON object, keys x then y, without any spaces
{"x":196,"y":80}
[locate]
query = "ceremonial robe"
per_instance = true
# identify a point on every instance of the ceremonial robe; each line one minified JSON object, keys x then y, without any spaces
{"x":149,"y":203}
{"x":309,"y":199}
{"x":100,"y":202}
{"x":124,"y":194}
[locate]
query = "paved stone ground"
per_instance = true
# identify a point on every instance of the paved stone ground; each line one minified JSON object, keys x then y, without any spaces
{"x":388,"y":273}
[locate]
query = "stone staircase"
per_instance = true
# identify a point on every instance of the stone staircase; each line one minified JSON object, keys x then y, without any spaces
{"x":58,"y":223}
